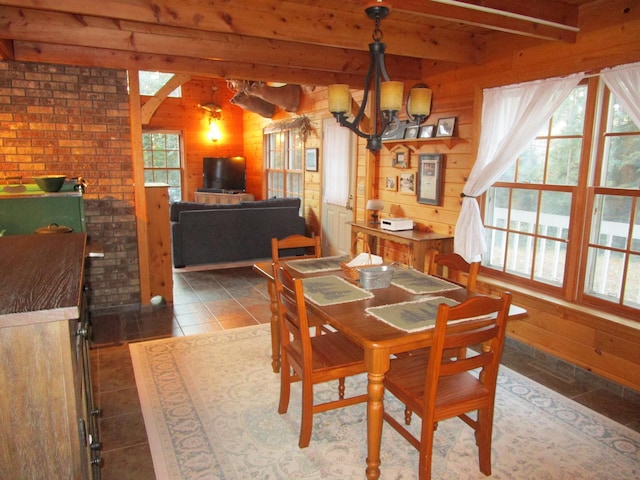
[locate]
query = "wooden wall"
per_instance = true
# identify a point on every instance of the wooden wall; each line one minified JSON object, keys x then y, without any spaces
{"x":183,"y":114}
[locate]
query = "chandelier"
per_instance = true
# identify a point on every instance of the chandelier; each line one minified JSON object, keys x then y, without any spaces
{"x":387,"y":94}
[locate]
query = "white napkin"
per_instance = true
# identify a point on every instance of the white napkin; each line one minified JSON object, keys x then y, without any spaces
{"x":365,"y":259}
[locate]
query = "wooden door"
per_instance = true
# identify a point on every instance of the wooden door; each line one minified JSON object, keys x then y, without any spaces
{"x":336,"y":216}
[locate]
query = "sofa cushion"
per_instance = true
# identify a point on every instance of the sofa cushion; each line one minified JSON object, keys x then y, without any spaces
{"x":177,"y":207}
{"x":272,"y":202}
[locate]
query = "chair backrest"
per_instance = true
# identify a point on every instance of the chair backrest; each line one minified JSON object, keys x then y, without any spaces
{"x":292,"y":311}
{"x":293,"y":244}
{"x":453,"y":267}
{"x":479,"y":324}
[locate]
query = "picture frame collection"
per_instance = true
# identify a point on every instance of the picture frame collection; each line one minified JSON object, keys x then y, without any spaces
{"x":403,"y":129}
{"x":426,"y":181}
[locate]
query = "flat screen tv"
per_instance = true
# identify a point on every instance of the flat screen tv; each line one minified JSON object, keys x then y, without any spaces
{"x":224,"y":173}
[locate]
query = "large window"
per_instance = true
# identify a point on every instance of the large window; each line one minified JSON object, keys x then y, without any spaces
{"x":565,"y":218}
{"x":162,"y":153}
{"x":284,"y":163}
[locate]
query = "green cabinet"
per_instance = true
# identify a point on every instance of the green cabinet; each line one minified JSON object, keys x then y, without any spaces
{"x":24,"y":212}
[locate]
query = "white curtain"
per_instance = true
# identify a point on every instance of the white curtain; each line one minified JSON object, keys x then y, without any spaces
{"x":511,"y":118}
{"x":335,"y":156}
{"x":624,"y":82}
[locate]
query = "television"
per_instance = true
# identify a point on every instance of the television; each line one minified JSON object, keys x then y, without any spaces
{"x":224,"y":173}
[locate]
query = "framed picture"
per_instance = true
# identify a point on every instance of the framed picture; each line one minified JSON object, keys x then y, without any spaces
{"x":407,"y":183}
{"x":401,"y":159}
{"x":411,"y":132}
{"x":430,"y":178}
{"x":426,"y":131}
{"x":394,"y":131}
{"x":445,"y":127}
{"x":311,"y":159}
{"x":391,"y":183}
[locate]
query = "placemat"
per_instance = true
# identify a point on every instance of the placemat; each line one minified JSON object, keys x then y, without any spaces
{"x":411,"y":316}
{"x":331,"y":290}
{"x":315,"y":265}
{"x":417,"y":282}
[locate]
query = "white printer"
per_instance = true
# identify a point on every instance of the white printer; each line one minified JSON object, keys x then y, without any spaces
{"x":396,"y":224}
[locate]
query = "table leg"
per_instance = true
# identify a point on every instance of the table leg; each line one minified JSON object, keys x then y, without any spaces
{"x":419,"y":250}
{"x":377,"y":361}
{"x":275,"y":327}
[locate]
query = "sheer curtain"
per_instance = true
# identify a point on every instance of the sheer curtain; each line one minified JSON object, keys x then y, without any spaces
{"x":335,"y":155}
{"x":511,"y":118}
{"x":624,"y":82}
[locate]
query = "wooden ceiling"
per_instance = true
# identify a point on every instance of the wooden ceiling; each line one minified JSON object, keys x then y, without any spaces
{"x":309,"y":42}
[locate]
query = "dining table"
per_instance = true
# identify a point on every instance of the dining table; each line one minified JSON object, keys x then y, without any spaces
{"x":367,"y":318}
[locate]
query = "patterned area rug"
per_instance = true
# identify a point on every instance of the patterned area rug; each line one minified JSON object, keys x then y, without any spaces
{"x":210,"y":410}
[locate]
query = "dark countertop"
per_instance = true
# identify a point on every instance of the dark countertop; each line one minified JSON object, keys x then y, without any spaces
{"x":41,"y":277}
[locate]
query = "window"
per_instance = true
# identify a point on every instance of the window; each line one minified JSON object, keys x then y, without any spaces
{"x":567,"y":182}
{"x":613,"y":246}
{"x":162,"y":153}
{"x":284,"y":158}
{"x":151,"y":82}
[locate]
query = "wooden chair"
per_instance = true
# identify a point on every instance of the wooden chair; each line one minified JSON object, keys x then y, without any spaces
{"x":295,"y":243}
{"x":453,"y":267}
{"x":311,"y":359}
{"x":437,"y":387}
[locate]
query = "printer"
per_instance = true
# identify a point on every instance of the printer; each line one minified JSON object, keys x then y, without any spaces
{"x":396,"y":224}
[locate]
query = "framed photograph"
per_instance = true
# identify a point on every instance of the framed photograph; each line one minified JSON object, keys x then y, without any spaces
{"x":427,"y":131}
{"x":407,"y":183}
{"x":430,"y":179}
{"x":311,"y":159}
{"x":411,"y":132}
{"x":401,"y":159}
{"x":445,"y":127}
{"x":394,"y":131}
{"x":391,"y":183}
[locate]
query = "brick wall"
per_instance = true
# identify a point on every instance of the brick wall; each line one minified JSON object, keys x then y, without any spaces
{"x":75,"y":121}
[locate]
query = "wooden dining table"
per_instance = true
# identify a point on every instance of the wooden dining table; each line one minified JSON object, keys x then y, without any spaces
{"x":378,"y":339}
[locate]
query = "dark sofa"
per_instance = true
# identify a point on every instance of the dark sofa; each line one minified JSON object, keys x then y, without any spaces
{"x":204,"y":234}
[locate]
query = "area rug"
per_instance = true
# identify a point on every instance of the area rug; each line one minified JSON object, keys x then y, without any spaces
{"x":210,"y":409}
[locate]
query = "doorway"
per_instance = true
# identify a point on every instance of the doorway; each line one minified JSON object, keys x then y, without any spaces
{"x":338,"y":187}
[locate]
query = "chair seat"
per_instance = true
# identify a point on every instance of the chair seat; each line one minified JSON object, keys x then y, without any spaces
{"x":329,"y":351}
{"x":406,"y":378}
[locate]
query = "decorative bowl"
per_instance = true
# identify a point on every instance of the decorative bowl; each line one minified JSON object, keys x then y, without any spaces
{"x":50,"y":183}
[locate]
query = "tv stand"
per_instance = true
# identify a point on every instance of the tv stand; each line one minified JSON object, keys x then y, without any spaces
{"x":228,"y":197}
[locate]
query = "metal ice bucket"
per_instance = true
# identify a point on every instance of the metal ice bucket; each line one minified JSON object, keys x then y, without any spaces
{"x":376,"y":277}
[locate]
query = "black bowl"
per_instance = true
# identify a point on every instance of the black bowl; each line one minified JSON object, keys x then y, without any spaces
{"x":50,"y":183}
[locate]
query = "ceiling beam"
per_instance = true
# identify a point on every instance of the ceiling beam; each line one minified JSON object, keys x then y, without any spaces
{"x":287,"y":21}
{"x":547,"y":19}
{"x":149,"y":108}
{"x":6,"y":50}
{"x":61,"y":28}
{"x":96,"y":57}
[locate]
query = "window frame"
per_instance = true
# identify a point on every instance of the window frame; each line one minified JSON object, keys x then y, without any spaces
{"x":180,"y":169}
{"x":292,"y":151}
{"x":584,"y":193}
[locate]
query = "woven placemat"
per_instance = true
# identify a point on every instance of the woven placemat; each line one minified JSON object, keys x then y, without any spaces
{"x":332,"y":290}
{"x":418,"y":283}
{"x":411,"y":316}
{"x":316,"y":265}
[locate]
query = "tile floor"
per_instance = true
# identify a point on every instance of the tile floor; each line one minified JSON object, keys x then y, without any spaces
{"x":207,"y":301}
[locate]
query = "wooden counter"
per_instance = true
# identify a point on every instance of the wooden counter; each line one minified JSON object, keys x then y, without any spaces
{"x":48,"y":430}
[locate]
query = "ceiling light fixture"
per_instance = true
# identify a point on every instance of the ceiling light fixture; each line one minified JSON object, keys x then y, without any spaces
{"x":387,"y":94}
